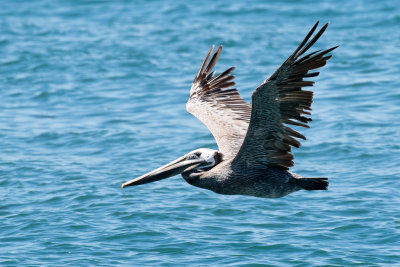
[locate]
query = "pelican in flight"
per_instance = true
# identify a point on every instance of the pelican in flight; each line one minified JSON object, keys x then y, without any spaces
{"x":254,"y":140}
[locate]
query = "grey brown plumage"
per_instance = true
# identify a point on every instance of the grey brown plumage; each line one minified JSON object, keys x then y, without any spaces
{"x":255,"y":140}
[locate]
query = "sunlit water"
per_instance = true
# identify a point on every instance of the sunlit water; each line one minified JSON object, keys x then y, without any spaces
{"x":93,"y":94}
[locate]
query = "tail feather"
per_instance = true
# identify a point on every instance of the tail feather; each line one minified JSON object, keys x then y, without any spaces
{"x":313,"y":183}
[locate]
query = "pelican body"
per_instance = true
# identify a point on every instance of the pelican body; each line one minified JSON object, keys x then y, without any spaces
{"x":254,"y":140}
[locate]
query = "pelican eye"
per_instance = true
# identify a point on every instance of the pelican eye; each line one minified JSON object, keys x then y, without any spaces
{"x":195,"y":155}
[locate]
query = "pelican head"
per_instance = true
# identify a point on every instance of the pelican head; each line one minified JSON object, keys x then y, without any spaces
{"x":198,"y":160}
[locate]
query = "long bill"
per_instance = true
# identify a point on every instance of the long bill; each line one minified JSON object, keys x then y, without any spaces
{"x":180,"y":165}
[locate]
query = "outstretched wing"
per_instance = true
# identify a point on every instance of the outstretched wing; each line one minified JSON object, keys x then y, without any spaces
{"x":278,"y":102}
{"x":220,"y":107}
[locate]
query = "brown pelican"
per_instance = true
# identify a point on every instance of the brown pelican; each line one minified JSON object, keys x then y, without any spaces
{"x":254,"y":140}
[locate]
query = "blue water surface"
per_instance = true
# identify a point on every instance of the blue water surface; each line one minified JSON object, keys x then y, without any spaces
{"x":93,"y":94}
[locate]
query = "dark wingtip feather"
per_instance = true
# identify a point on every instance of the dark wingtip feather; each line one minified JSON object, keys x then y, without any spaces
{"x":204,"y":64}
{"x":313,"y":40}
{"x":305,"y":40}
{"x":213,"y":60}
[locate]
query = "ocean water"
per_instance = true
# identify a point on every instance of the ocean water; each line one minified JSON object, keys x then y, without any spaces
{"x":93,"y":94}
